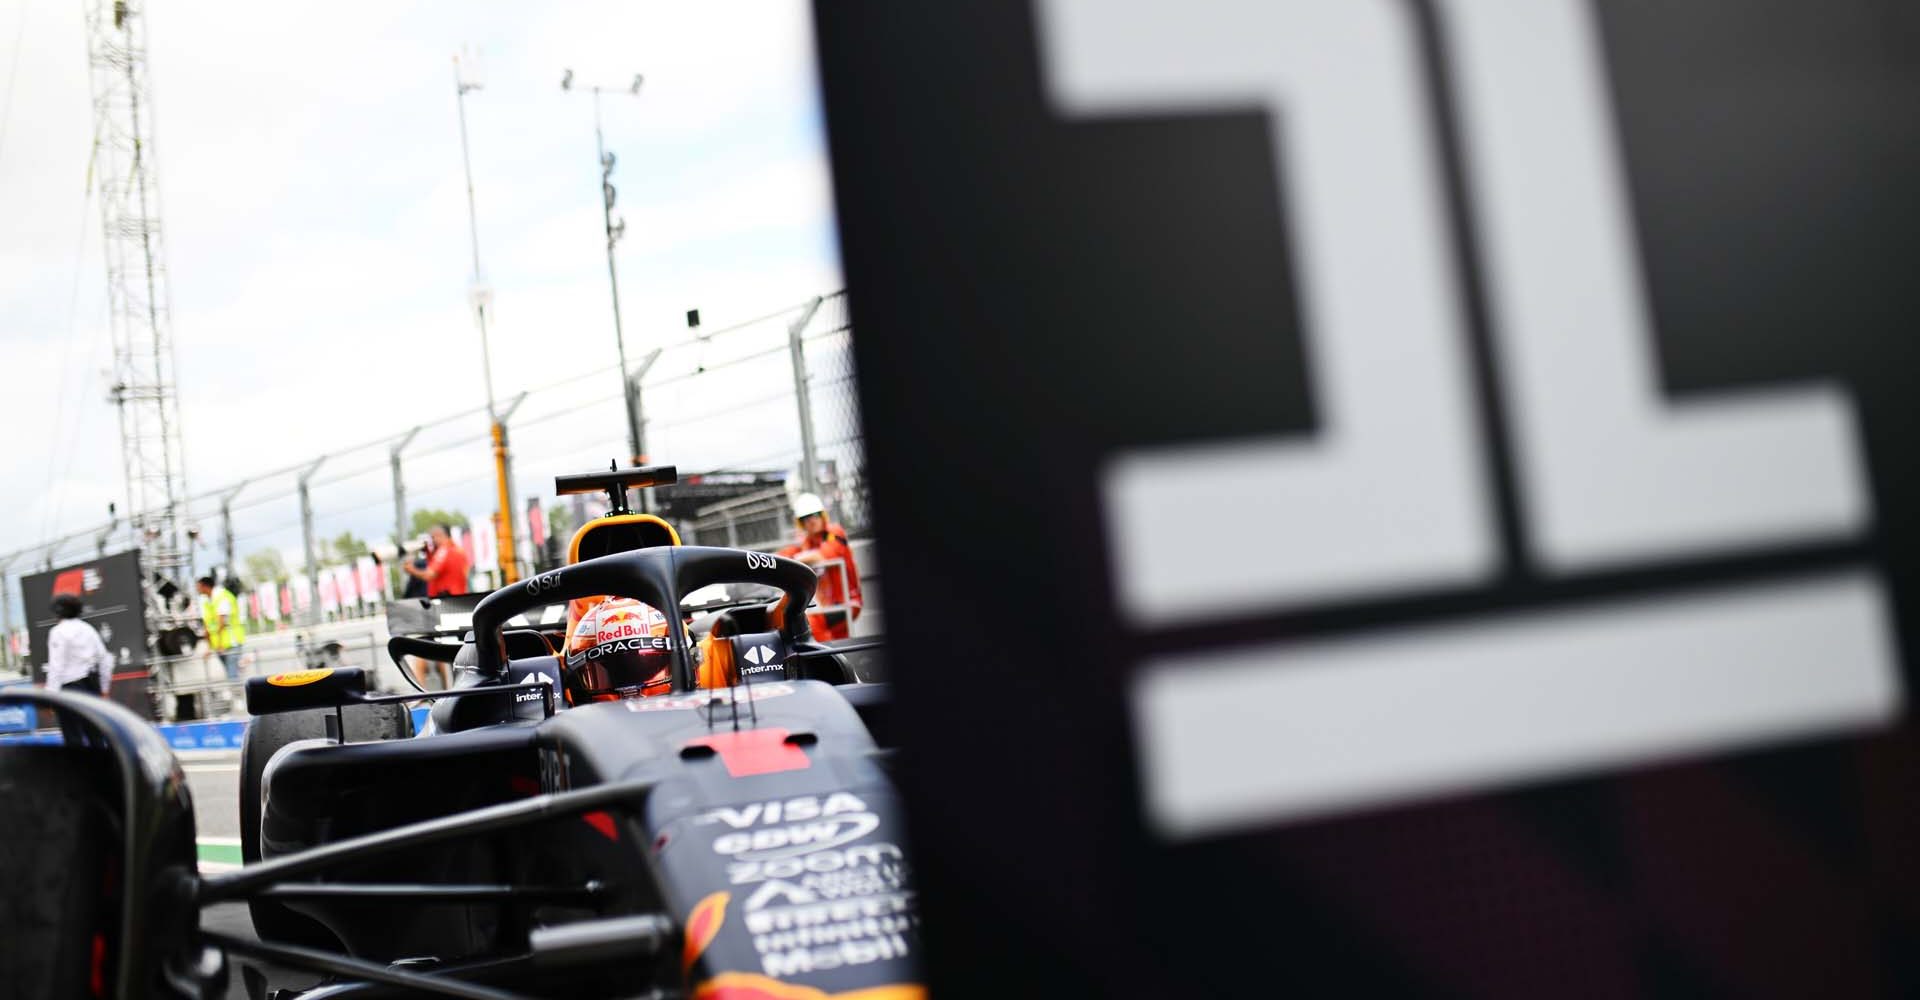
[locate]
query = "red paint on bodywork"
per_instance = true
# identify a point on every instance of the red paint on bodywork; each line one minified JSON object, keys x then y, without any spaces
{"x":755,"y":751}
{"x":603,"y":822}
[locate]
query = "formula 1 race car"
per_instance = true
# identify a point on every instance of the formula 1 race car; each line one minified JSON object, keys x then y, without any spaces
{"x":737,"y":838}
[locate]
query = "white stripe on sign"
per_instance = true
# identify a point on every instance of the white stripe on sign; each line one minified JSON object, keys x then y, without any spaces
{"x":1236,"y":738}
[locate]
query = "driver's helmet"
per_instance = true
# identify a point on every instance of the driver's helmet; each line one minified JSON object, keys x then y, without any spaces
{"x":619,"y":648}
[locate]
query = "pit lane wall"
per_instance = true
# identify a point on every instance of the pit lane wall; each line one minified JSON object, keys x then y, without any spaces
{"x":218,"y":734}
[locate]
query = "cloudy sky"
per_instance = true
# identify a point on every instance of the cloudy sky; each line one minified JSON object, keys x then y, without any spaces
{"x":316,"y":228}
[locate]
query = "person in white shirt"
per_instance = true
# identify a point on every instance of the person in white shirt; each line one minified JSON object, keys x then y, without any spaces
{"x":77,"y":660}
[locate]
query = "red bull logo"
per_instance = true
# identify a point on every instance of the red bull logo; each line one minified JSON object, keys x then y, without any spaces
{"x":615,"y":620}
{"x":623,"y":627}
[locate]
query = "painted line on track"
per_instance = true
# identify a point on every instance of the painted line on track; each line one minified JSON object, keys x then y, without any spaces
{"x":219,"y":854}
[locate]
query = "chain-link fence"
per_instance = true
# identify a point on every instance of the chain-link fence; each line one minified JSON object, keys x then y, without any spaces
{"x":756,"y":520}
{"x":840,"y":450}
{"x":737,"y":399}
{"x":770,"y":402}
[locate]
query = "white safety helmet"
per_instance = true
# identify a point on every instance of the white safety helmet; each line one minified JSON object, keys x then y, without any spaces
{"x":807,"y":505}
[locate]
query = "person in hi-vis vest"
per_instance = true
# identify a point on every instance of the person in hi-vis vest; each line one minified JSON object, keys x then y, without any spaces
{"x":226,"y":633}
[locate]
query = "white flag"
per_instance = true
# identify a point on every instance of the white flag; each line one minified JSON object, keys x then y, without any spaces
{"x":370,"y":579}
{"x":345,"y":585}
{"x":481,"y":550}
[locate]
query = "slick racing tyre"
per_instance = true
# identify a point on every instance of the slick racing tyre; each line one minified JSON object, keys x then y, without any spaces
{"x":266,"y":734}
{"x":59,"y":860}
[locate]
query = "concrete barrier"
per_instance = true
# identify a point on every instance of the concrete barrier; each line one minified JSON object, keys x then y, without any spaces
{"x":218,"y":734}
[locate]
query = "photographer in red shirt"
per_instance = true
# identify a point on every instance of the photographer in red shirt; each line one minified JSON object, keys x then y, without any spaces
{"x":446,"y":569}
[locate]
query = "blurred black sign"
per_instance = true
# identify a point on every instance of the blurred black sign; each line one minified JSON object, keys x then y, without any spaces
{"x":683,"y":501}
{"x":452,"y":616}
{"x":1524,"y":387}
{"x":110,"y":590}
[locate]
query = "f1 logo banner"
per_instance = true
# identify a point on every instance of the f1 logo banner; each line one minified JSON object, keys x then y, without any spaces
{"x":1389,"y":496}
{"x":1433,"y":457}
{"x":111,"y":592}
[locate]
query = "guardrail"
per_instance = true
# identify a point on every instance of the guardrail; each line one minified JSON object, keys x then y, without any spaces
{"x":211,"y":734}
{"x":179,"y":695}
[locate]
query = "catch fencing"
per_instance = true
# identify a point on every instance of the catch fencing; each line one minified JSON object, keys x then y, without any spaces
{"x":773,"y":395}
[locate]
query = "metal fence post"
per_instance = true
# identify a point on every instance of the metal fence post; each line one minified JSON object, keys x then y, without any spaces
{"x":809,"y":457}
{"x":400,"y":488}
{"x":637,"y":420}
{"x":306,"y":536}
{"x":634,"y":442}
{"x":226,"y":524}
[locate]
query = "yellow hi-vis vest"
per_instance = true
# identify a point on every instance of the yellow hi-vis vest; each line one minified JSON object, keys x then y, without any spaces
{"x":222,"y":602}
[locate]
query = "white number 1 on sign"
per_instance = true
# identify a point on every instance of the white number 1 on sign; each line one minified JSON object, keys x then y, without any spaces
{"x":1391,"y":496}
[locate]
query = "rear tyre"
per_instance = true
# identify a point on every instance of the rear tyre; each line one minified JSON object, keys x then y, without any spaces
{"x":266,"y":734}
{"x":59,"y":865}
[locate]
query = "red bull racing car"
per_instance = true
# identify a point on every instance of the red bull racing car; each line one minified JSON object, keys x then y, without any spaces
{"x":640,"y":804}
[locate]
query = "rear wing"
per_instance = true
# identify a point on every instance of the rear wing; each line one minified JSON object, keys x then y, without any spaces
{"x":616,"y":482}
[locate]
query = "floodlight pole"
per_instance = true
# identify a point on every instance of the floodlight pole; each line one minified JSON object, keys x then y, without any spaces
{"x":613,"y":275}
{"x":509,"y":561}
{"x":460,"y":88}
{"x":614,"y":231}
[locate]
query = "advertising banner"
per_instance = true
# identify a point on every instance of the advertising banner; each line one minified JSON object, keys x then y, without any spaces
{"x":110,"y":592}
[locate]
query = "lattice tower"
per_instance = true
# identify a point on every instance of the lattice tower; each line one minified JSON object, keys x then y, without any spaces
{"x":143,"y":389}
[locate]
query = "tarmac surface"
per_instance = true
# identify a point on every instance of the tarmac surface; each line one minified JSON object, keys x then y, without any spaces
{"x":213,"y":777}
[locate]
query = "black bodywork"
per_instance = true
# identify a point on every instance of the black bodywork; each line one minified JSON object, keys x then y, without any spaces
{"x":735,"y":842}
{"x":151,"y":948}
